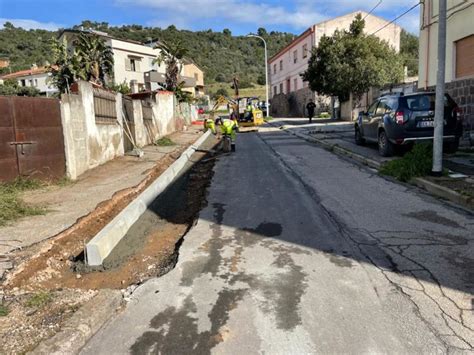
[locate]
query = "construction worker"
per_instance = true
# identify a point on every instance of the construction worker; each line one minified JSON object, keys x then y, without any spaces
{"x":228,"y":127}
{"x":209,"y":124}
{"x":249,"y":112}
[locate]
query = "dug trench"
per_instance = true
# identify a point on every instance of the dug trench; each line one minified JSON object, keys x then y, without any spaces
{"x":149,"y":248}
{"x":59,"y":275}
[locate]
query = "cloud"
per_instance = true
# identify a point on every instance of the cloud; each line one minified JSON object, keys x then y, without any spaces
{"x":28,"y":24}
{"x":189,"y":13}
{"x":296,"y":15}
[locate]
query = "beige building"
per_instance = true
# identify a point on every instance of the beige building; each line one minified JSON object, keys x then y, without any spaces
{"x":191,"y":70}
{"x":459,"y":41}
{"x":37,"y":77}
{"x":286,"y":66}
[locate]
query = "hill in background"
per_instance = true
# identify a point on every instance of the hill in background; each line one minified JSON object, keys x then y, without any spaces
{"x":220,"y":54}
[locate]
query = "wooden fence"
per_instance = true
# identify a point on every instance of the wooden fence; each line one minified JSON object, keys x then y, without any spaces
{"x":104,"y":107}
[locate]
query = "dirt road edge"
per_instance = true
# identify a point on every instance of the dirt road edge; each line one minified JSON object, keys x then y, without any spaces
{"x":83,"y":324}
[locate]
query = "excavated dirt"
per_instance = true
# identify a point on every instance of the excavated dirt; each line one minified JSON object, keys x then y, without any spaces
{"x":148,"y":250}
{"x":54,"y":267}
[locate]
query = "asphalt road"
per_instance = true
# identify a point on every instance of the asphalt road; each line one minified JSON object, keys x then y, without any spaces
{"x":300,"y":251}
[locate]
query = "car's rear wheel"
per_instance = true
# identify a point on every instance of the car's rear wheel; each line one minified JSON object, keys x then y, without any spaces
{"x":451,"y":147}
{"x":386,"y":147}
{"x":359,"y":140}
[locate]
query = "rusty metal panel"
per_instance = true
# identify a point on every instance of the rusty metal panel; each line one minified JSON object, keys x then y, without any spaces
{"x":39,"y":137}
{"x":8,"y":160}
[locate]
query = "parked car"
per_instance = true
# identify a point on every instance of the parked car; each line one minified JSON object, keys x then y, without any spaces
{"x":262,"y":105}
{"x":397,"y":120}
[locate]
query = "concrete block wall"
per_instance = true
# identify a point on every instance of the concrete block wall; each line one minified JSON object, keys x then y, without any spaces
{"x":89,"y":144}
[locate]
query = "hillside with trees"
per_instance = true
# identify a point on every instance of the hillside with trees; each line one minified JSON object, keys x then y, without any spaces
{"x":220,"y":54}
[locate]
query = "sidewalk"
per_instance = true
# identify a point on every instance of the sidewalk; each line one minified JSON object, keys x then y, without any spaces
{"x":338,"y":136}
{"x":67,"y":205}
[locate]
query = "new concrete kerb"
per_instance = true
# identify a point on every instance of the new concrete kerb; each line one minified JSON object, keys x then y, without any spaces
{"x":105,"y":241}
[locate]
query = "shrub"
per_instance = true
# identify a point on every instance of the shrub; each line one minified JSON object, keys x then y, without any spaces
{"x":417,"y":162}
{"x":39,"y":299}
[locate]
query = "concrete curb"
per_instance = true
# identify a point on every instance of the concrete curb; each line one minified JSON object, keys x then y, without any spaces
{"x":444,"y":192}
{"x":82,"y":325}
{"x":103,"y":243}
{"x":432,"y":188}
{"x":340,"y":150}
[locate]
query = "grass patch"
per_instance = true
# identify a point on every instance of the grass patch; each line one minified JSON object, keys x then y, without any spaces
{"x":4,"y":310}
{"x":417,"y":162}
{"x":269,"y":118}
{"x":324,"y":115}
{"x":11,"y":206}
{"x":39,"y":299}
{"x":165,"y":142}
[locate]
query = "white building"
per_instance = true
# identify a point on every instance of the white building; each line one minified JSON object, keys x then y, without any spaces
{"x":37,"y":77}
{"x":286,"y":66}
{"x":132,"y":59}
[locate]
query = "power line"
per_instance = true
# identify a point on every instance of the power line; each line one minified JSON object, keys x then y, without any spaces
{"x":396,"y":18}
{"x":380,"y":1}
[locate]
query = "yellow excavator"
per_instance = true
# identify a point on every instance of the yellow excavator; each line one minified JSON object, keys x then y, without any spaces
{"x":243,"y":109}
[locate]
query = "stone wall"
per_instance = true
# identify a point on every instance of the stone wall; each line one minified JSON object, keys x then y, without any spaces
{"x":462,"y":91}
{"x":292,"y":104}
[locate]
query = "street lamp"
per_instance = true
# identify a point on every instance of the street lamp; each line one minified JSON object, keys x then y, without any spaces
{"x":266,"y":70}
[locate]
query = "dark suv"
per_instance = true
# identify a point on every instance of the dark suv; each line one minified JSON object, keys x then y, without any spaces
{"x":396,"y":119}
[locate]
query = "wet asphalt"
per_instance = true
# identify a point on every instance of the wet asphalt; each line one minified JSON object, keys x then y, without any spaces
{"x":300,"y":251}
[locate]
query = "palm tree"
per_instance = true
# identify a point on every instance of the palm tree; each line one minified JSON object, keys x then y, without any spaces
{"x":94,"y":57}
{"x":64,"y":69}
{"x":171,"y":54}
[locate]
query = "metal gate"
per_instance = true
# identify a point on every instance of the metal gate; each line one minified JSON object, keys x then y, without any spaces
{"x":31,"y":138}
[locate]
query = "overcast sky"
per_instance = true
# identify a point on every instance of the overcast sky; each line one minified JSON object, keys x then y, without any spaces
{"x":240,"y":16}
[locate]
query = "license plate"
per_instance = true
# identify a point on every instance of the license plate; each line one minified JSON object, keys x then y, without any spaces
{"x":426,"y":124}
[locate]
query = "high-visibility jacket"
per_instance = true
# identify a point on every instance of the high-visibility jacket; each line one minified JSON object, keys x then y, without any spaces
{"x":209,"y":124}
{"x":229,"y":127}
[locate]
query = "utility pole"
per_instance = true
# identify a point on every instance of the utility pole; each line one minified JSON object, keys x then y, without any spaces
{"x":437,"y":169}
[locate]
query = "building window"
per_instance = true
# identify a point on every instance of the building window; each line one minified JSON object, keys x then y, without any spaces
{"x":274,"y":90}
{"x":295,"y":83}
{"x":464,"y":57}
{"x":31,"y":82}
{"x":23,"y":82}
{"x":274,"y":68}
{"x":305,"y":50}
{"x":295,"y":56}
{"x":281,"y":64}
{"x":132,"y":64}
{"x":36,"y":82}
{"x":281,"y":88}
